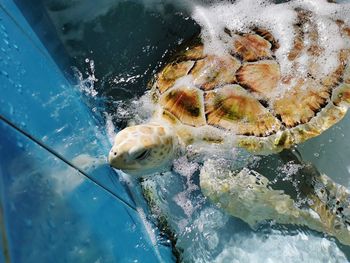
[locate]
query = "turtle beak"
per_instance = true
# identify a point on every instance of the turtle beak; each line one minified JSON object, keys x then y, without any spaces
{"x":114,"y":159}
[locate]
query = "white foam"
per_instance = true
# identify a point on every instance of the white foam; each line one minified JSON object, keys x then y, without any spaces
{"x":186,"y":169}
{"x":279,"y":248}
{"x":65,"y":181}
{"x":136,"y":110}
{"x":290,"y":169}
{"x":87,"y":162}
{"x":240,"y":17}
{"x":279,"y":19}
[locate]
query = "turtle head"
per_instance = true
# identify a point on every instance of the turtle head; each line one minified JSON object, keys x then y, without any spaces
{"x":143,"y":149}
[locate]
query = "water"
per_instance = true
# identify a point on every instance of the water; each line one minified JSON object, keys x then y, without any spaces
{"x":116,"y":54}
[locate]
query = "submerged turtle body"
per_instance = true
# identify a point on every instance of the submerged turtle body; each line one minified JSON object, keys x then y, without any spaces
{"x":244,"y":97}
{"x":243,"y":92}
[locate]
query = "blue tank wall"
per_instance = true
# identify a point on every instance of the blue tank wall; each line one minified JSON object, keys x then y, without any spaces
{"x":51,"y":210}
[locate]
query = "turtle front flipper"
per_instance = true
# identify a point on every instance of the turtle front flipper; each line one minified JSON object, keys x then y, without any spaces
{"x":252,"y":197}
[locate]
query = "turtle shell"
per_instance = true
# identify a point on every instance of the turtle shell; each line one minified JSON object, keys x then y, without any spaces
{"x":237,"y":91}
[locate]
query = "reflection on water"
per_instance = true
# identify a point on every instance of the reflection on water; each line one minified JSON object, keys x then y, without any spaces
{"x":117,"y":48}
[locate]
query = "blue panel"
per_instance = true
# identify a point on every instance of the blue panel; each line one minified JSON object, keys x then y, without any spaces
{"x":37,"y":98}
{"x":35,"y":13}
{"x":9,"y":7}
{"x":54,"y":214}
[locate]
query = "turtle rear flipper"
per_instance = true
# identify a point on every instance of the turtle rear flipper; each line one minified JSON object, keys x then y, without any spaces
{"x":253,"y":198}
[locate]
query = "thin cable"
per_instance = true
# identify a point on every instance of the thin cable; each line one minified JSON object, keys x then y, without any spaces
{"x":47,"y":148}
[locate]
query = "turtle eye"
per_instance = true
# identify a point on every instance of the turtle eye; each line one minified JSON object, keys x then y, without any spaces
{"x":142,"y":155}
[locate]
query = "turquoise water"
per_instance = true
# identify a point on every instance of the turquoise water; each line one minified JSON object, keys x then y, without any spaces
{"x":115,"y":48}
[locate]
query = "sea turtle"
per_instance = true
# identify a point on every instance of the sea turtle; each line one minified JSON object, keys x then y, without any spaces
{"x":242,"y":99}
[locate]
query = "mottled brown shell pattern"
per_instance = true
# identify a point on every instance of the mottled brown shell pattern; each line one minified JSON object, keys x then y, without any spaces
{"x":233,"y":92}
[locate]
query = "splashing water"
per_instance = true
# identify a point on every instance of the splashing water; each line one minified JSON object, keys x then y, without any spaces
{"x":86,"y":85}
